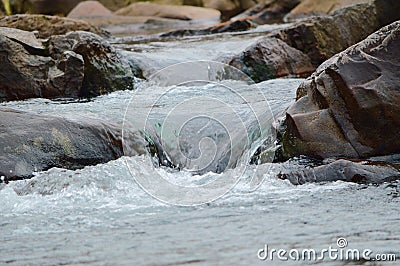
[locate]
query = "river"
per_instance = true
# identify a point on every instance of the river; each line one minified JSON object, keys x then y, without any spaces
{"x":103,"y":215}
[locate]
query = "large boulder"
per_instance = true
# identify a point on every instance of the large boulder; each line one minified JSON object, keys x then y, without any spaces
{"x":31,"y":142}
{"x":170,"y":11}
{"x":79,"y":64}
{"x":322,"y":37}
{"x":350,"y":107}
{"x":48,"y":7}
{"x":89,"y":9}
{"x":271,"y":58}
{"x":47,"y":26}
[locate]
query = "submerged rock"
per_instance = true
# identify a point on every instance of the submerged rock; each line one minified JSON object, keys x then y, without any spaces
{"x":31,"y":142}
{"x":78,"y":64}
{"x":47,"y":26}
{"x":350,"y":107}
{"x":364,"y":172}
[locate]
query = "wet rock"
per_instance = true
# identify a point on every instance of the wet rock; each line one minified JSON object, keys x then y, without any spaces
{"x":79,"y":64}
{"x":31,"y":142}
{"x":229,"y":26}
{"x":350,"y":107}
{"x":364,"y":172}
{"x":89,"y":9}
{"x":47,"y":26}
{"x":272,"y":58}
{"x":170,"y":11}
{"x":317,"y":7}
{"x":48,"y":7}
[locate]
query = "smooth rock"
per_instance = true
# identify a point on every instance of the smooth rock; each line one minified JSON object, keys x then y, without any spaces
{"x":350,"y":107}
{"x":317,"y":7}
{"x":89,"y":9}
{"x":170,"y":11}
{"x":364,"y":172}
{"x":30,"y":142}
{"x":47,"y":26}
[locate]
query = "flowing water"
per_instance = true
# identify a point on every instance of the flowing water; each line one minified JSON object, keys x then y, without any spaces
{"x":101,"y":215}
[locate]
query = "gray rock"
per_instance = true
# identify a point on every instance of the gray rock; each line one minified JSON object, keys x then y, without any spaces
{"x":78,"y":64}
{"x":30,"y":142}
{"x":358,"y":172}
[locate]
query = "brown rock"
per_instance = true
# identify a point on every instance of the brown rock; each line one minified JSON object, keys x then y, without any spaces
{"x":317,"y":7}
{"x":229,"y":8}
{"x":169,"y":11}
{"x":114,"y":5}
{"x":270,"y":11}
{"x":322,"y":37}
{"x":48,"y":25}
{"x":271,"y":58}
{"x":48,"y":7}
{"x":350,"y":107}
{"x":89,"y":9}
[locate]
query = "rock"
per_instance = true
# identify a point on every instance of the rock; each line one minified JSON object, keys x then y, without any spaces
{"x":48,"y":7}
{"x":274,"y":11}
{"x":114,"y":5}
{"x":322,"y":37}
{"x":271,"y":58}
{"x":31,"y":142}
{"x":317,"y":7}
{"x":229,"y":8}
{"x":79,"y":64}
{"x":105,"y":70}
{"x":169,"y":11}
{"x":48,"y":25}
{"x":350,"y":107}
{"x":89,"y":9}
{"x":229,"y":26}
{"x":312,"y":40}
{"x":364,"y":172}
